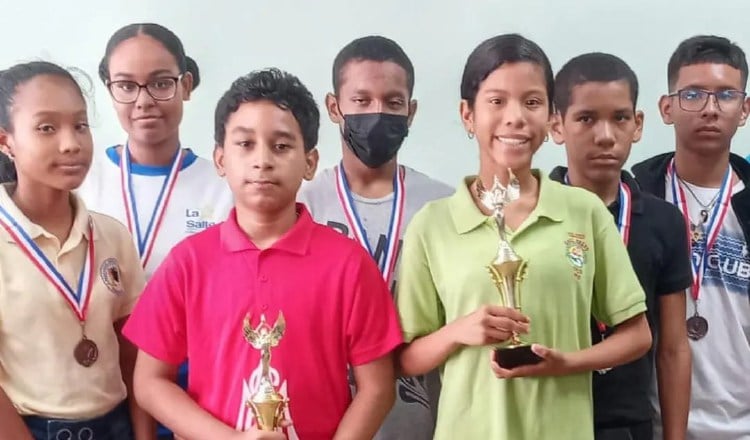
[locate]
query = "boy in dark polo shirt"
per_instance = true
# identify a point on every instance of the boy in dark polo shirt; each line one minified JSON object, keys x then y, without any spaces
{"x":595,"y":99}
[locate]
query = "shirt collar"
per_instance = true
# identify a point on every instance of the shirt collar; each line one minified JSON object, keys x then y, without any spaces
{"x":466,"y":215}
{"x":296,"y":240}
{"x":558,"y":175}
{"x":79,"y":230}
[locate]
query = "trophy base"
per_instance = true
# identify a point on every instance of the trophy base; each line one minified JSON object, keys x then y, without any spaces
{"x":516,"y":356}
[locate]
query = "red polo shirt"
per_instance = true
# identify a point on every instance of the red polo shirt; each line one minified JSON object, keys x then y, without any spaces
{"x":337,"y":308}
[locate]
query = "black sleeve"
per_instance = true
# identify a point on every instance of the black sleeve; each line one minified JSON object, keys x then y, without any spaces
{"x":675,"y":275}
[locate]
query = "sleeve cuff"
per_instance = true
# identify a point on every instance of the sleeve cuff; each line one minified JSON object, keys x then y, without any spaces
{"x":675,"y":286}
{"x":152,"y":351}
{"x":623,"y":315}
{"x":127,"y":308}
{"x":375,"y":352}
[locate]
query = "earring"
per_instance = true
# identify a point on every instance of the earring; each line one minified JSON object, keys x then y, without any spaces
{"x":470,"y":135}
{"x":546,"y":137}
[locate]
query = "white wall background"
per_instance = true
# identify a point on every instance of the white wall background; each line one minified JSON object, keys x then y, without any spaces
{"x":232,"y":37}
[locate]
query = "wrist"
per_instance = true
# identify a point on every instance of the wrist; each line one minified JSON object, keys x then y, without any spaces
{"x":450,"y":334}
{"x":573,"y":363}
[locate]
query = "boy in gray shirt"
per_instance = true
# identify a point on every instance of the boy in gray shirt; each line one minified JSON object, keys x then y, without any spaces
{"x":369,"y":196}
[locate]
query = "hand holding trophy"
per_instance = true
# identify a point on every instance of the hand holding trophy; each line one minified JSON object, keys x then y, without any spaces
{"x":507,"y":270}
{"x":266,"y":403}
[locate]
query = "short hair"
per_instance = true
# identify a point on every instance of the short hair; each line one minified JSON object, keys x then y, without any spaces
{"x":592,"y":67}
{"x":372,"y":48}
{"x":706,"y":49}
{"x":496,"y":51}
{"x":274,"y":85}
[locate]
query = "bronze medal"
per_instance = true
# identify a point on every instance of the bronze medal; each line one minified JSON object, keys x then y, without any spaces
{"x":86,"y":352}
{"x":697,"y":327}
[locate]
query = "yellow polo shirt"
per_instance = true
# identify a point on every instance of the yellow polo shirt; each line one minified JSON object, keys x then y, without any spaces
{"x":39,"y":330}
{"x":577,"y":265}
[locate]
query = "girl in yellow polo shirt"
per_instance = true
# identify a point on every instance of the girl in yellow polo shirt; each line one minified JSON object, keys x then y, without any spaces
{"x":576,"y":264}
{"x":68,"y":277}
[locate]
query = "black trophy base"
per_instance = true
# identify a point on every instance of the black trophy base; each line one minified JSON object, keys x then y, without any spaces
{"x":516,"y":356}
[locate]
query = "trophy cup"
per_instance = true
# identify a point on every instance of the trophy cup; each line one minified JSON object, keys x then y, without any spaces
{"x":507,"y":270}
{"x":266,"y":403}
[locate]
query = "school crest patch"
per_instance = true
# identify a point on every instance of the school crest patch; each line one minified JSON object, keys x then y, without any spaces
{"x":111,"y":276}
{"x":576,"y":249}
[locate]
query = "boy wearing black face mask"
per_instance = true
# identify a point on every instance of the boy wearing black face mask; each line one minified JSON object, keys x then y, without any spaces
{"x":369,"y":196}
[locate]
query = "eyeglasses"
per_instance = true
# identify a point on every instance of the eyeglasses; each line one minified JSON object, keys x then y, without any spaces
{"x":695,"y":100}
{"x":160,"y":89}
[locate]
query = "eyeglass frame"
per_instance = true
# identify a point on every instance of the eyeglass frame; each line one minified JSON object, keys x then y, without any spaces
{"x":141,"y":87}
{"x":709,"y":94}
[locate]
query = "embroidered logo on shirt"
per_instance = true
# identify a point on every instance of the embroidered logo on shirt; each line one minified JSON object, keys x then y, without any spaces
{"x":111,"y":276}
{"x":197,"y":220}
{"x":576,"y":249}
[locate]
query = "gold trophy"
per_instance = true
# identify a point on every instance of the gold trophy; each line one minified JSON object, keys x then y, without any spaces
{"x":266,"y":403}
{"x":507,"y":270}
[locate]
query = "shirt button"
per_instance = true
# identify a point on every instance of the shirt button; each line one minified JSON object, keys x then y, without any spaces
{"x":263,"y":278}
{"x":264,"y":307}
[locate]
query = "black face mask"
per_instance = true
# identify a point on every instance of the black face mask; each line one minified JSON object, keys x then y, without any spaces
{"x":375,"y":138}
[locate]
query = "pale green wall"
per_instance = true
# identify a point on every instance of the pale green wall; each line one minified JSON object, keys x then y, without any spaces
{"x":231,"y":37}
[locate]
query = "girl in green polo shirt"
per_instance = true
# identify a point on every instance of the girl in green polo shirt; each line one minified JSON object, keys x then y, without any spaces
{"x":577,"y":266}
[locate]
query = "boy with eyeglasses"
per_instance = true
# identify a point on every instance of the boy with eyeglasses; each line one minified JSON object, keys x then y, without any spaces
{"x":706,"y":104}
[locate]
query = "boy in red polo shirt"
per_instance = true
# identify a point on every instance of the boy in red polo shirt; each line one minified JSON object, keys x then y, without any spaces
{"x":267,"y":258}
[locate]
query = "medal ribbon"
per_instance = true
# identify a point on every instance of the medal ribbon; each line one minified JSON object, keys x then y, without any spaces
{"x":145,"y":239}
{"x":715,"y":221}
{"x":388,"y":265}
{"x":77,"y":299}
{"x":624,"y":216}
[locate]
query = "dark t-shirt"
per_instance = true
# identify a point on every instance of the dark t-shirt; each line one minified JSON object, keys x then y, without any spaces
{"x":658,"y":251}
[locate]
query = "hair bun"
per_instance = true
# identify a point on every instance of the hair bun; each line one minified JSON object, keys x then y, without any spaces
{"x":192,"y":67}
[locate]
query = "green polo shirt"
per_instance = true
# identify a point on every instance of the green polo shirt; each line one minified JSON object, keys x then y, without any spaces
{"x":577,"y":265}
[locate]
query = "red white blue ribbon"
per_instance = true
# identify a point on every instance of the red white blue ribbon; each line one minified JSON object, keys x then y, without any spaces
{"x":77,"y":298}
{"x":625,"y":212}
{"x":388,"y":265}
{"x":624,"y":216}
{"x":715,"y":220}
{"x":145,"y":239}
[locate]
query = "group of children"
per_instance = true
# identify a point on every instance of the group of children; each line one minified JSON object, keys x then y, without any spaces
{"x":379,"y":270}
